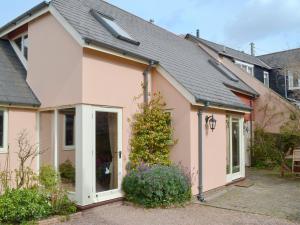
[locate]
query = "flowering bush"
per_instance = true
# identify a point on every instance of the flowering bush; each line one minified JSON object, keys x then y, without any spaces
{"x":157,"y":186}
{"x":151,"y":134}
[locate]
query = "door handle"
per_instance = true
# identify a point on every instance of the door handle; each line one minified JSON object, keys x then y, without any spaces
{"x":120,"y":155}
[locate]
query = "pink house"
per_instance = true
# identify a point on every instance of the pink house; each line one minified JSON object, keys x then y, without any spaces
{"x":69,"y":73}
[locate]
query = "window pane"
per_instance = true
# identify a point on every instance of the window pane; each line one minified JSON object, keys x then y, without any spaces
{"x":69,"y":126}
{"x":18,"y":42}
{"x":25,"y":42}
{"x":1,"y":128}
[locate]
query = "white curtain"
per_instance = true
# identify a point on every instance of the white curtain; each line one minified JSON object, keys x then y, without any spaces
{"x":112,"y":128}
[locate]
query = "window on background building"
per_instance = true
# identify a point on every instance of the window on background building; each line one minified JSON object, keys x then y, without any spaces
{"x":69,"y":131}
{"x":266,"y":79}
{"x":291,"y":79}
{"x":22,"y":44}
{"x":246,"y":67}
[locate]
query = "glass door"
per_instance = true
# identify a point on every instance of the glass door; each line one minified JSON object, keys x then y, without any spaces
{"x":107,"y":154}
{"x":234,"y":159}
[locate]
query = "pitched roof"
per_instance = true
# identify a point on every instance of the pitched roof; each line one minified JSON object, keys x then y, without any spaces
{"x":188,"y":64}
{"x":282,"y":58}
{"x":14,"y":89}
{"x":230,"y":52}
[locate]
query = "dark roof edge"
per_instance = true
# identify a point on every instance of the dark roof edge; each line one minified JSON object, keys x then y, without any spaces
{"x":119,"y":50}
{"x":29,"y":13}
{"x":16,"y":104}
{"x":254,"y":95}
{"x":228,"y":106}
{"x":222,"y":53}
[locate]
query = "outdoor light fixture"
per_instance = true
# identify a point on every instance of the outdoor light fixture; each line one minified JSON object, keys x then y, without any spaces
{"x":211,"y":121}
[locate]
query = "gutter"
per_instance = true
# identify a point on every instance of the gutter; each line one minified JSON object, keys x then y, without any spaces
{"x":200,"y":152}
{"x":211,"y":104}
{"x":90,"y":41}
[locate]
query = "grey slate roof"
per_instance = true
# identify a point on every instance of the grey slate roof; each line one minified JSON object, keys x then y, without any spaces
{"x":14,"y":89}
{"x":282,"y":59}
{"x":224,"y":50}
{"x":186,"y":62}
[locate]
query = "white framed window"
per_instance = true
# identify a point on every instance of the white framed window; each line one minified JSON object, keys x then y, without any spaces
{"x":20,"y":46}
{"x":3,"y":131}
{"x":69,"y":131}
{"x":291,"y":80}
{"x":249,"y":68}
{"x":266,"y":79}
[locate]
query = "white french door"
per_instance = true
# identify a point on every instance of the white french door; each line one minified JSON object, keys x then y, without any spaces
{"x":107,"y":153}
{"x":235,"y":165}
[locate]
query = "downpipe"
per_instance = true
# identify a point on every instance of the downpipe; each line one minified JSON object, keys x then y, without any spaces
{"x":200,"y":196}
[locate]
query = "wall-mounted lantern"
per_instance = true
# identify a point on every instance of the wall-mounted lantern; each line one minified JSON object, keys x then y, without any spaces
{"x":211,"y":122}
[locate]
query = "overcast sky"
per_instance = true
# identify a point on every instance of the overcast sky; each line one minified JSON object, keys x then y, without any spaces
{"x":273,"y":25}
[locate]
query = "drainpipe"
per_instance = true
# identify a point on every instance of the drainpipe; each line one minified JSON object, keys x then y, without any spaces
{"x":251,"y":132}
{"x":200,"y":152}
{"x":146,"y":82}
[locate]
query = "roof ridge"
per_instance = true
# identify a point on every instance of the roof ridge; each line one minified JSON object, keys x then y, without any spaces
{"x":278,"y":52}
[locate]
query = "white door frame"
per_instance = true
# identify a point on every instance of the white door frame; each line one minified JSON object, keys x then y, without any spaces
{"x":115,"y":193}
{"x":234,"y":176}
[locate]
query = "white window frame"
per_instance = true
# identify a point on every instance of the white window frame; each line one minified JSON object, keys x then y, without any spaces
{"x":20,"y":53}
{"x":69,"y":147}
{"x":290,"y":80}
{"x":266,"y":76}
{"x":240,"y":64}
{"x":4,"y":148}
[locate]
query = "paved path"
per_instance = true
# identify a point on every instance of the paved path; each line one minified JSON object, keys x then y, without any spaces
{"x":270,"y":195}
{"x":194,"y":214}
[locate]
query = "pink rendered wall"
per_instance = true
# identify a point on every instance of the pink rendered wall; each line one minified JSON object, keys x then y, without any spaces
{"x":185,"y":122}
{"x":54,"y":63}
{"x":180,"y":108}
{"x":19,"y":120}
{"x":214,"y":149}
{"x":114,"y":82}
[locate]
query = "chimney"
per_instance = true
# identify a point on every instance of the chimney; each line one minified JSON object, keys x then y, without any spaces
{"x":151,"y":20}
{"x":252,"y":45}
{"x":197,"y":33}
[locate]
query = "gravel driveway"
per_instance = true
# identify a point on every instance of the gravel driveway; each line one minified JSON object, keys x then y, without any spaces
{"x":194,"y":214}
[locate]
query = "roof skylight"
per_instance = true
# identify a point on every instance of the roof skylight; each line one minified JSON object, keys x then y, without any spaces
{"x":110,"y":24}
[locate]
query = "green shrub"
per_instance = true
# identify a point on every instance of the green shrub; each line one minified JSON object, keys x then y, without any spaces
{"x":19,"y":206}
{"x":48,"y":178}
{"x":67,"y":171}
{"x":157,"y":186}
{"x":151,"y":134}
{"x":51,"y":186}
{"x":269,"y":149}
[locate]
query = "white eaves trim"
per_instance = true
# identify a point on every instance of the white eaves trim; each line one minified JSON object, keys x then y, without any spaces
{"x":25,"y":21}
